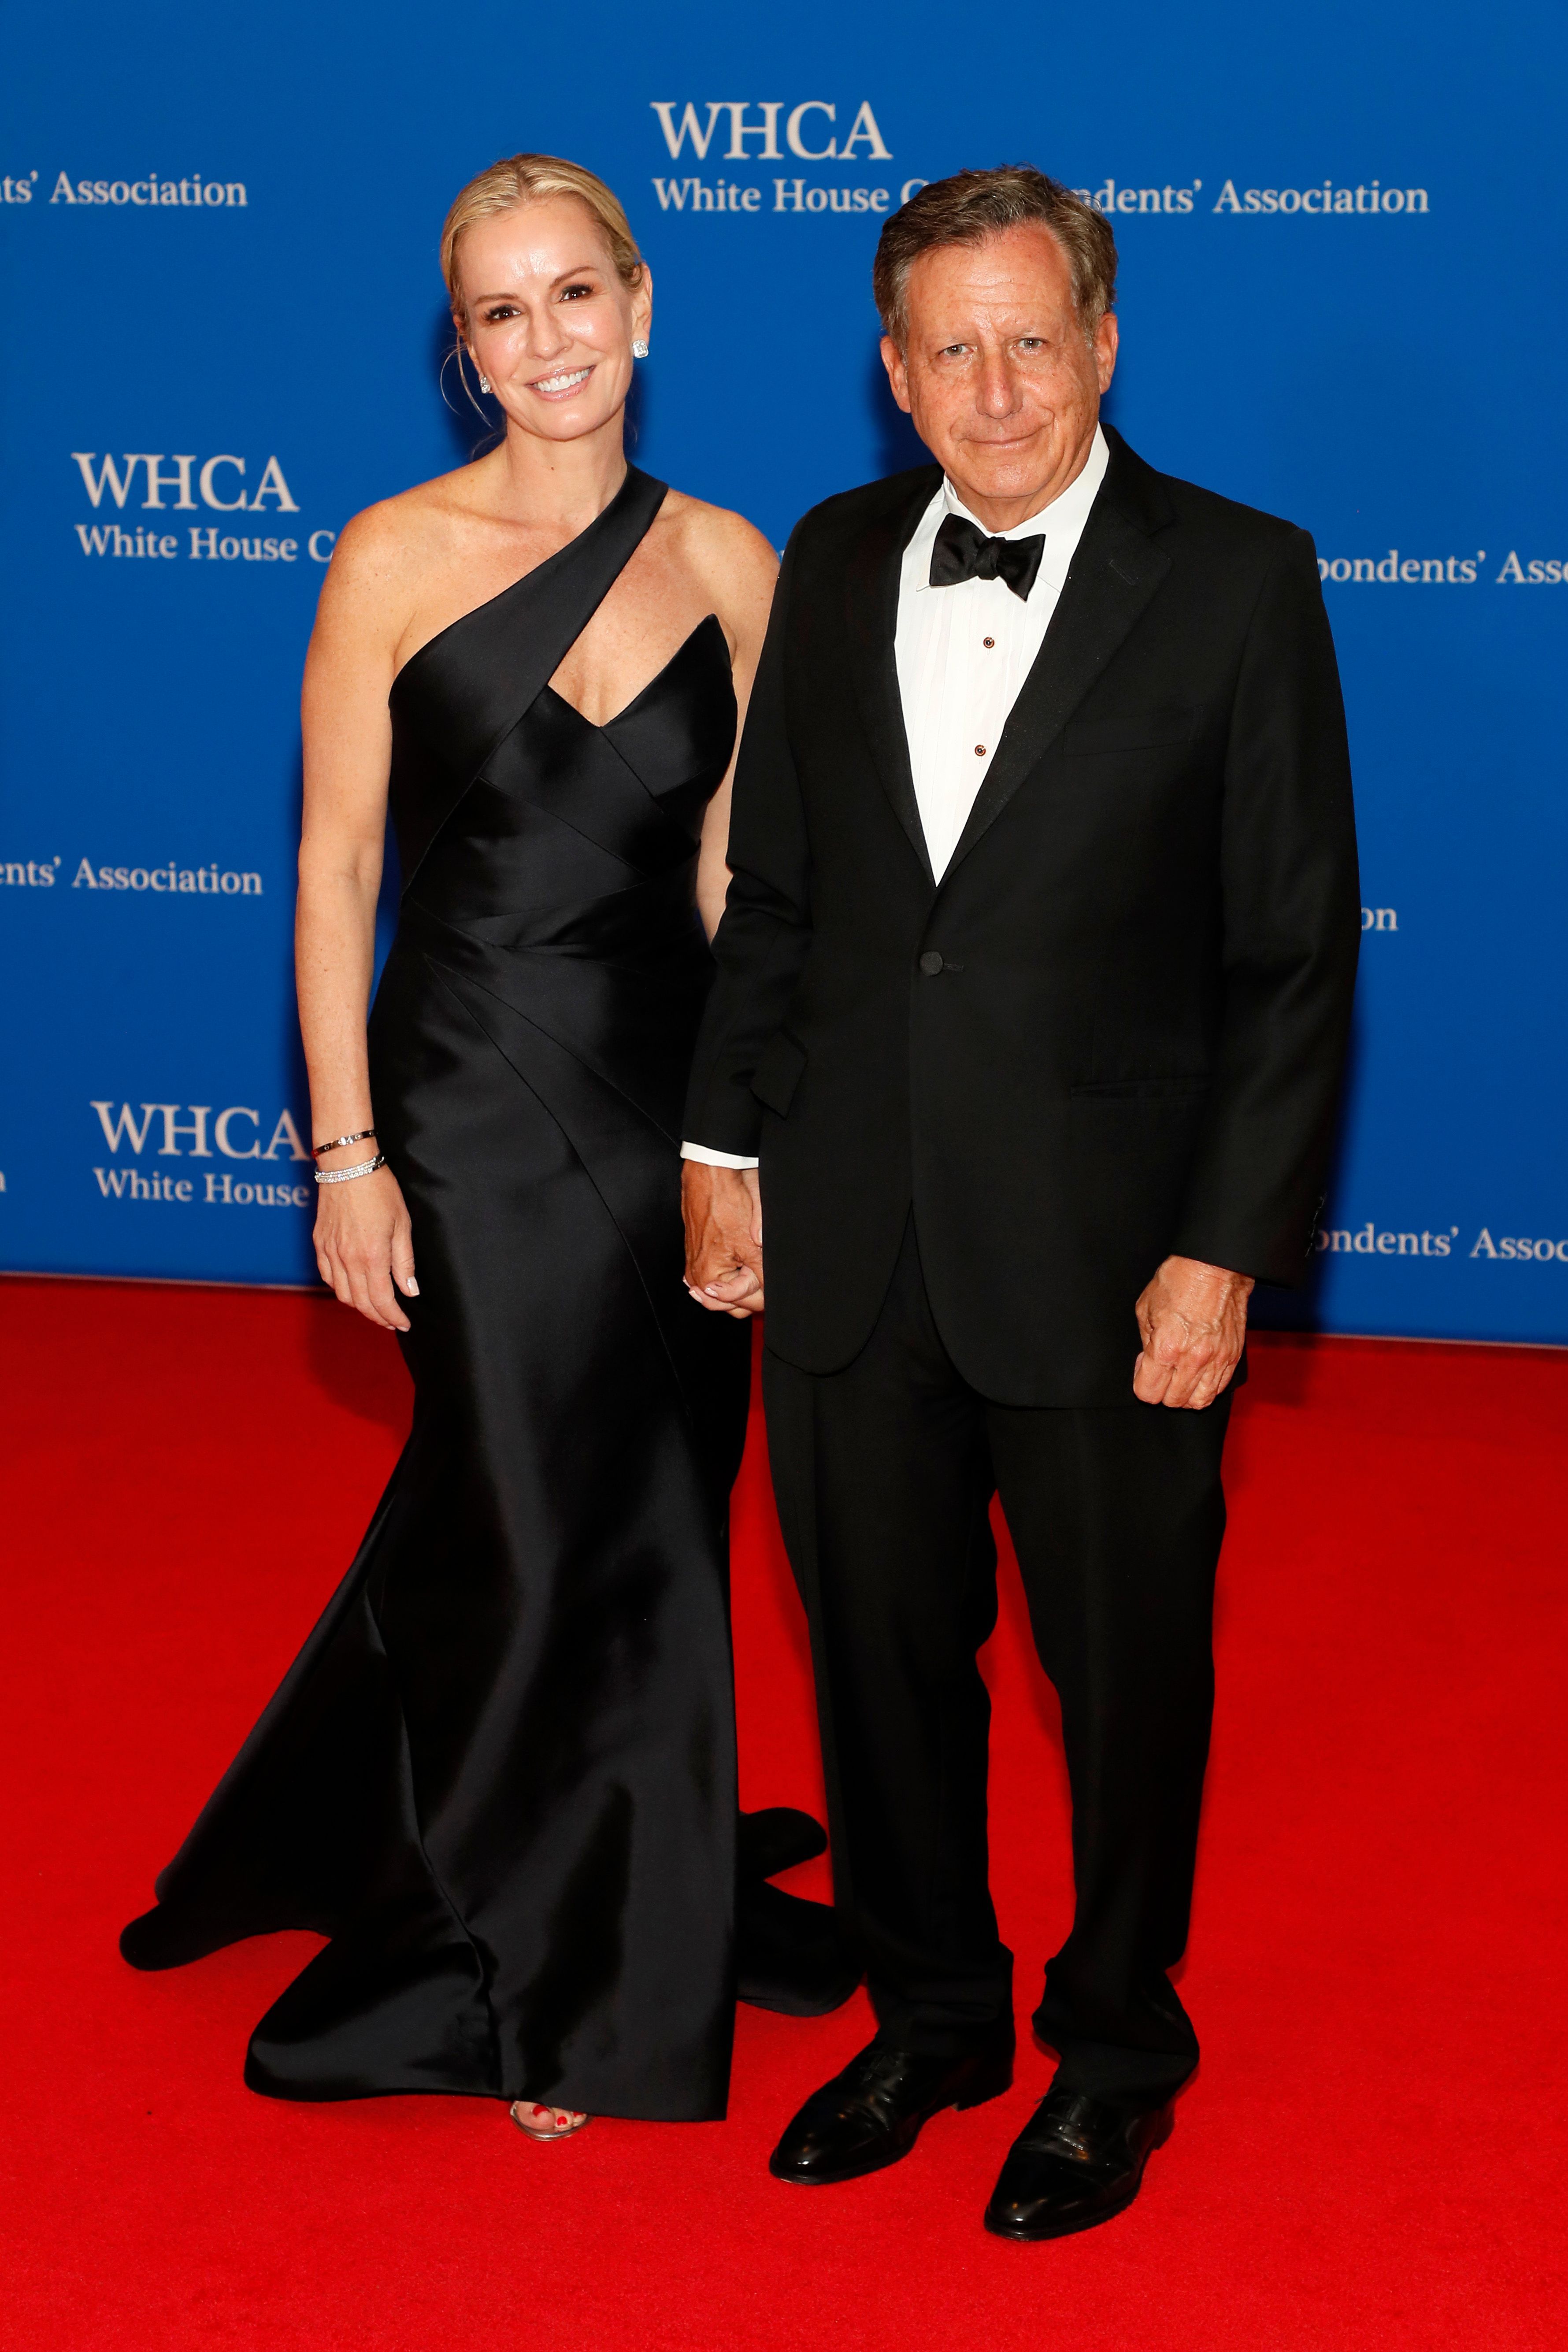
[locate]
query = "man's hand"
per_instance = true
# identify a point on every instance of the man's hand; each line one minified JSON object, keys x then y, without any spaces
{"x":1194,"y":1321}
{"x":723,"y":1213}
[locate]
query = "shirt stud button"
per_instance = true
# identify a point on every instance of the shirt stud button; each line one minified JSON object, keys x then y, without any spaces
{"x":980,"y":751}
{"x":988,"y":642}
{"x":930,"y":963}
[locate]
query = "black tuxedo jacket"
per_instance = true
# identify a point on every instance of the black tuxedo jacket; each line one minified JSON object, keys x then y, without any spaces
{"x":1114,"y":1029}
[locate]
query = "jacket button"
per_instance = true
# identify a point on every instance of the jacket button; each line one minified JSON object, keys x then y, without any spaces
{"x":930,"y":963}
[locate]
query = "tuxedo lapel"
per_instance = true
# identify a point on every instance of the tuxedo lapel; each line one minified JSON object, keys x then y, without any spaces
{"x":871,"y":601}
{"x":1115,"y":572}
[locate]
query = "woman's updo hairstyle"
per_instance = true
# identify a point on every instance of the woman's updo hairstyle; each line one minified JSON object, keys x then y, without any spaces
{"x":521,"y":180}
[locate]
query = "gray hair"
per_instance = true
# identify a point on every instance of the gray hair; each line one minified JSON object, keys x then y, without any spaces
{"x":972,"y":205}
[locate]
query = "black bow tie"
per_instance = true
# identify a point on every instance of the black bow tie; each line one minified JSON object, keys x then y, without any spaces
{"x":963,"y":551}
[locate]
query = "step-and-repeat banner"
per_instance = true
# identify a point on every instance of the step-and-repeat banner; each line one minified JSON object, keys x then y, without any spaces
{"x":1342,"y":232}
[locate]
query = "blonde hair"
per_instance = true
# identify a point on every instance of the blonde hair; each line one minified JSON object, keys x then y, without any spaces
{"x":519,"y":180}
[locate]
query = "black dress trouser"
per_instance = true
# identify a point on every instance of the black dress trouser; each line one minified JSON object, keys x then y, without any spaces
{"x":884,"y":1474}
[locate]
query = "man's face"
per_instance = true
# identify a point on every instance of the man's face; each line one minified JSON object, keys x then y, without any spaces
{"x":1002,"y":384}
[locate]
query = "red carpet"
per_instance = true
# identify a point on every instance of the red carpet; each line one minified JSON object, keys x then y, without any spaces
{"x":1372,"y":2154}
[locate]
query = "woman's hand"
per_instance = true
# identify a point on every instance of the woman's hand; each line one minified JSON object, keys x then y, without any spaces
{"x":364,"y":1244}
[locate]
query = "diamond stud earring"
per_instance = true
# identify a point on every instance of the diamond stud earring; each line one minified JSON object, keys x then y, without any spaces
{"x":639,"y":349}
{"x":484,"y":384}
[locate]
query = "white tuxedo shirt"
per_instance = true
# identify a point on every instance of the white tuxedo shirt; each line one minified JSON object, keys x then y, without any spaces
{"x":963,"y":654}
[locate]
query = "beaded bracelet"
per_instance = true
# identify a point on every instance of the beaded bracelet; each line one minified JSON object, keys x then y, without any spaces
{"x":347,"y":1175}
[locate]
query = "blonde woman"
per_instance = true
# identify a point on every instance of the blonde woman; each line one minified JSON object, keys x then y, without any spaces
{"x":501,"y":1776}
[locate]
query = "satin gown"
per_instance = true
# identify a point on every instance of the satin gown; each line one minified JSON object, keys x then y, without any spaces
{"x":501,"y":1775}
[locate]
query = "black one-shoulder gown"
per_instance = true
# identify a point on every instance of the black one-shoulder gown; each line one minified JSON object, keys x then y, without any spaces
{"x":501,"y":1775}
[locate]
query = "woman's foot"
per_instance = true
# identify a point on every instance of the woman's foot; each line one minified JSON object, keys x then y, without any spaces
{"x":546,"y":2123}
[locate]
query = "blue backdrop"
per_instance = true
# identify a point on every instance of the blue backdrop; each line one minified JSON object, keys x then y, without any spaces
{"x":1343,"y":233}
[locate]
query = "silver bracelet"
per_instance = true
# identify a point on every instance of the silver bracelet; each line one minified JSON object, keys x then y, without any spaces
{"x":360,"y":1135}
{"x":347,"y":1175}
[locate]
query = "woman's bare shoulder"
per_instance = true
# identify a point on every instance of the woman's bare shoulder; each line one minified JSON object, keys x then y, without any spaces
{"x":720,"y":544}
{"x":730,"y":556}
{"x":385,"y":554}
{"x":411,"y":528}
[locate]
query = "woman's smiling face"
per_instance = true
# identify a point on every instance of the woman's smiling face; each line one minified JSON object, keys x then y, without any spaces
{"x":550,"y":321}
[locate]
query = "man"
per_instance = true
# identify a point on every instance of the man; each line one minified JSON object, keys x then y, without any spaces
{"x":1033,"y":992}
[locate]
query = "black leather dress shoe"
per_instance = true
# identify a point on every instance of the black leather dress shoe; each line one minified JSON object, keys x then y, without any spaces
{"x":871,"y":2113}
{"x":1076,"y":2163}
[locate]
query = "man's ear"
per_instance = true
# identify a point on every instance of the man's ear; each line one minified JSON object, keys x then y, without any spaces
{"x":1105,"y":345}
{"x":898,"y":374}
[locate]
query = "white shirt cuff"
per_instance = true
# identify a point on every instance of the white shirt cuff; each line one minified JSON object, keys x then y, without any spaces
{"x":715,"y":1159}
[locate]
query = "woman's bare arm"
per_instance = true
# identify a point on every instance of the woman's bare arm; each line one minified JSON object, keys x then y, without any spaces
{"x":740,"y":569}
{"x":362,"y":1236}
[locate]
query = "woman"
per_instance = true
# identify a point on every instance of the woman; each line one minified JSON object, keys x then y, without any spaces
{"x":501,"y":1775}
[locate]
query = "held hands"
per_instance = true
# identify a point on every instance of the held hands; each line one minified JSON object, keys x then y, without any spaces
{"x":723,"y":1212}
{"x":365,"y":1243}
{"x":1194,"y":1321}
